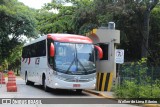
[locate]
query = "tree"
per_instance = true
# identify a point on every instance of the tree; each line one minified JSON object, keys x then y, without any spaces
{"x":132,"y":18}
{"x":14,"y":59}
{"x":78,"y":18}
{"x":16,"y":20}
{"x":85,"y":16}
{"x":149,"y":5}
{"x":154,"y":37}
{"x":55,"y":22}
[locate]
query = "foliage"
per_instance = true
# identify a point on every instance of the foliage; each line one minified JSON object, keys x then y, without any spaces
{"x":15,"y":57}
{"x":13,"y":61}
{"x":77,"y":19}
{"x":130,"y":89}
{"x":4,"y":65}
{"x":129,"y":16}
{"x":154,"y":38}
{"x":51,"y":21}
{"x":135,"y":69}
{"x":85,"y":17}
{"x":16,"y":20}
{"x":137,"y":81}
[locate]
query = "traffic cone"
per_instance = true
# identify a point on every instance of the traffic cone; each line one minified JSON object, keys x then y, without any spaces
{"x":12,"y":88}
{"x":11,"y":85}
{"x":10,"y":73}
{"x":11,"y":78}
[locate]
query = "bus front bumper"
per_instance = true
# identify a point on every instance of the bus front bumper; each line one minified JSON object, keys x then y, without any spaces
{"x":61,"y":84}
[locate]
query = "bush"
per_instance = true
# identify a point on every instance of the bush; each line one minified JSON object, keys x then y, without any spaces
{"x":130,"y":89}
{"x":136,"y":83}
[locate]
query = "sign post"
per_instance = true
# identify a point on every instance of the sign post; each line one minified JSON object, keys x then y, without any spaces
{"x":119,"y":59}
{"x":119,"y":56}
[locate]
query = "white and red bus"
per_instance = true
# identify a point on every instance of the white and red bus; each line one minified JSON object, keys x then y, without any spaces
{"x":62,"y":61}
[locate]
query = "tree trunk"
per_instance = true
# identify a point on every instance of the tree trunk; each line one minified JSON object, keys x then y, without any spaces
{"x":17,"y":72}
{"x":145,"y":38}
{"x":149,"y":8}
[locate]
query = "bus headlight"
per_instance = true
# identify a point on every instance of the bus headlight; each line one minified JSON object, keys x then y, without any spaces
{"x":94,"y":85}
{"x":56,"y":84}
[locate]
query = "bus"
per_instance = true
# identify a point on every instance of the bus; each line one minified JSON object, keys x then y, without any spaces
{"x":60,"y":61}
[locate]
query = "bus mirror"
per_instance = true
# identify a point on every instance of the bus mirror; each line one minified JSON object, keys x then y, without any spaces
{"x":100,"y":52}
{"x":52,"y":50}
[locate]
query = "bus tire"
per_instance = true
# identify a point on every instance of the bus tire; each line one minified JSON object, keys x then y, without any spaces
{"x":79,"y":91}
{"x":27,"y":81}
{"x":45,"y":87}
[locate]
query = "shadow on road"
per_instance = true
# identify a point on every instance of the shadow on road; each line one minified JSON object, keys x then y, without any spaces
{"x":61,"y":92}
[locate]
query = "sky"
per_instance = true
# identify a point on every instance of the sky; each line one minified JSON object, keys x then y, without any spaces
{"x":37,"y":4}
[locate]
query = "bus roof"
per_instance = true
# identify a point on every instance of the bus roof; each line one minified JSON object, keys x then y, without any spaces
{"x":69,"y":38}
{"x":63,"y":38}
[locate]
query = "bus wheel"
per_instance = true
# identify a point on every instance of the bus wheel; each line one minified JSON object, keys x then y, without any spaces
{"x":45,"y":87}
{"x":79,"y":91}
{"x":27,"y":81}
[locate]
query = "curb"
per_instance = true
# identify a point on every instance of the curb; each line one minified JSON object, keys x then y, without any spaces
{"x":92,"y":92}
{"x":105,"y":96}
{"x":98,"y":94}
{"x":151,"y":105}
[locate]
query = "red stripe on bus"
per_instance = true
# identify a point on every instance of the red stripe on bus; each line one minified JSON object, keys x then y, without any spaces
{"x":69,"y":38}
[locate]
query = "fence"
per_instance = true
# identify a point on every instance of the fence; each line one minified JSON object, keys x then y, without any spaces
{"x":144,"y":81}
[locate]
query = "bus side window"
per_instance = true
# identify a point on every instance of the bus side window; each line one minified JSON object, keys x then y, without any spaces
{"x":28,"y":52}
{"x":40,"y":48}
{"x":24,"y":52}
{"x":33,"y":50}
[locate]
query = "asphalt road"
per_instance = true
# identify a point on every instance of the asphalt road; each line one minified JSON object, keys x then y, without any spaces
{"x":36,"y":91}
{"x":60,"y":98}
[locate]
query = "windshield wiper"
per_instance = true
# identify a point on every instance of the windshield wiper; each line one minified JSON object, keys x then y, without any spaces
{"x":70,"y":65}
{"x":82,"y":66}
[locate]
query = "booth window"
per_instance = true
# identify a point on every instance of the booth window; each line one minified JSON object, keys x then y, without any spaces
{"x":105,"y":48}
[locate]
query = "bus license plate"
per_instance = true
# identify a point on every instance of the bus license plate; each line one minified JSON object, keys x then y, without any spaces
{"x":76,"y":85}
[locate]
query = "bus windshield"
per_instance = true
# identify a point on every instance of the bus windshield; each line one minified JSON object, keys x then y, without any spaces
{"x":74,"y":58}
